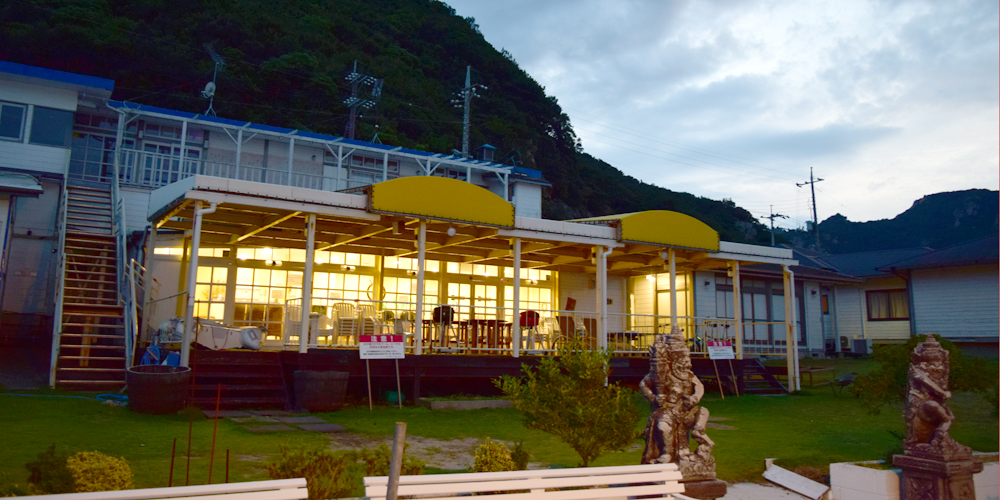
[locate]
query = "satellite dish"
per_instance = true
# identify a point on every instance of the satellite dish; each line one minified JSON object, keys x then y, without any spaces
{"x":209,"y":90}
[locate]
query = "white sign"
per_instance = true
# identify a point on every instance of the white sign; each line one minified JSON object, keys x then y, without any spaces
{"x":720,"y":349}
{"x":381,"y":346}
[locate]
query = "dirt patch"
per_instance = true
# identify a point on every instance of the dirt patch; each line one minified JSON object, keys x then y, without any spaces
{"x":453,"y":454}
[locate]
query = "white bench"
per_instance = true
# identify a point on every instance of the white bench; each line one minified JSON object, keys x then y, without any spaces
{"x":277,"y":489}
{"x":590,"y":483}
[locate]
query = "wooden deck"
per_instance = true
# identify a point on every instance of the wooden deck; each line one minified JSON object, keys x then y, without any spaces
{"x":241,"y":371}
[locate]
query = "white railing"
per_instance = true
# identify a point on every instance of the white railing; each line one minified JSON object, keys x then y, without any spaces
{"x":153,"y":170}
{"x":136,"y":280}
{"x":60,"y":286}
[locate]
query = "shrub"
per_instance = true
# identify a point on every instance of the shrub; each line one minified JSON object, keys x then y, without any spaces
{"x":49,"y":474}
{"x":567,"y":396}
{"x":520,"y":456}
{"x":328,"y":474}
{"x":95,"y":471}
{"x":888,"y":382}
{"x":339,"y":474}
{"x":493,"y":456}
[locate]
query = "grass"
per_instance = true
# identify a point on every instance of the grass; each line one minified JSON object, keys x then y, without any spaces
{"x":812,"y":428}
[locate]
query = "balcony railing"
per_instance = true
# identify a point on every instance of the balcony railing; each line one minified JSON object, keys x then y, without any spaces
{"x":485,"y":329}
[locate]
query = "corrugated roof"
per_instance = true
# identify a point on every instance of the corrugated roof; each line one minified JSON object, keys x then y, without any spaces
{"x":57,"y":76}
{"x":868,"y":263}
{"x":971,"y":253}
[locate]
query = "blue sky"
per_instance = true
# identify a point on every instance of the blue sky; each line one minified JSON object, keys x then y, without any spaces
{"x":887,"y":101}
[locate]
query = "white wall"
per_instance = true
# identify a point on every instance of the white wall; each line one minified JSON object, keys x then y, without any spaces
{"x":849,"y":311}
{"x":136,"y":206}
{"x":38,"y":95}
{"x":704,"y":295}
{"x":31,"y":157}
{"x":957,"y":302}
{"x":527,"y":200}
{"x":578,"y":286}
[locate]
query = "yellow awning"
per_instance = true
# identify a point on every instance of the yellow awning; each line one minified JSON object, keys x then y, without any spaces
{"x":441,"y":198}
{"x":663,"y":227}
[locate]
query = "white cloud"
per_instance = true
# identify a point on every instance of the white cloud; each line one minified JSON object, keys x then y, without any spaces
{"x":888,"y":101}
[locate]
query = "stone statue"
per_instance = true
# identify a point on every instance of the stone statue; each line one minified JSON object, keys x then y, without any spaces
{"x":934,"y":466}
{"x":927,"y":415}
{"x":674,"y":392}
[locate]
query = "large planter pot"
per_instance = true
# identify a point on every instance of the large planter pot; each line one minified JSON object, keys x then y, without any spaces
{"x":320,"y":391}
{"x":158,"y":389}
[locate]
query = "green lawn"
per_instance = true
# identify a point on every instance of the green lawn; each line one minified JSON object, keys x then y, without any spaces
{"x":811,"y":428}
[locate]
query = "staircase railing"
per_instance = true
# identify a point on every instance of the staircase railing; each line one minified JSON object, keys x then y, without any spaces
{"x":136,"y":278}
{"x":60,"y":282}
{"x":121,"y":251}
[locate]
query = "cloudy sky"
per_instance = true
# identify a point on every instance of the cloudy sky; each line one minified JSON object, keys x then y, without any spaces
{"x":887,"y":101}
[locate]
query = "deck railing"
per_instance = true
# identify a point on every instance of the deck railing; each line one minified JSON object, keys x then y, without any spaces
{"x":486,"y":329}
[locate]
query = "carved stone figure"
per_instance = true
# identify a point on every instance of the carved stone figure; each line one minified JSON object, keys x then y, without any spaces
{"x":674,"y":392}
{"x":927,"y":415}
{"x":934,"y":466}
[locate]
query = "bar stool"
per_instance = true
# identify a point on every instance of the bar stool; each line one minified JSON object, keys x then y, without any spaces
{"x":529,"y":323}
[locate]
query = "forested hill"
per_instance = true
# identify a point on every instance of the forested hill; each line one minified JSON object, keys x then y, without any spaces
{"x":286,"y":63}
{"x":936,"y":221}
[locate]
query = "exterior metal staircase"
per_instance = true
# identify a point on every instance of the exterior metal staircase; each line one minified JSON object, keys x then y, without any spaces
{"x":757,"y":380}
{"x":90,"y":349}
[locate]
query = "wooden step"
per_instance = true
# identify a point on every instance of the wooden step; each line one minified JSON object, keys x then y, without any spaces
{"x":93,"y":346}
{"x":93,"y":325}
{"x":76,"y":257}
{"x":237,"y":387}
{"x":94,"y":370}
{"x":91,"y":336}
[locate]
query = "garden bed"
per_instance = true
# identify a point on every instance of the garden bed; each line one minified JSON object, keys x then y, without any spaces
{"x":462,"y":404}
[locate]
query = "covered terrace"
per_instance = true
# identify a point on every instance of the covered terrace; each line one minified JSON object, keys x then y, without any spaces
{"x":486,"y":282}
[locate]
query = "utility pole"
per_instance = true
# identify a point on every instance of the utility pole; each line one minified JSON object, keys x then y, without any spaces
{"x":772,"y":217}
{"x":466,"y":94}
{"x":812,"y":186}
{"x":353,"y":101}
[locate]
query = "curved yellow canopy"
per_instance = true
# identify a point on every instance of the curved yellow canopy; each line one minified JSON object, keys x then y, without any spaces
{"x":441,"y":198}
{"x":663,"y":227}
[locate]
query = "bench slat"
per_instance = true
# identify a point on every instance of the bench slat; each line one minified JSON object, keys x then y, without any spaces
{"x":525,"y":484}
{"x":286,"y":494}
{"x":487,"y":476}
{"x":587,"y":494}
{"x":297,"y":485}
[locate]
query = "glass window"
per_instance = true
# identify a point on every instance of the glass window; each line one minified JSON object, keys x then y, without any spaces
{"x":888,"y":305}
{"x":11,"y":121}
{"x":51,"y":127}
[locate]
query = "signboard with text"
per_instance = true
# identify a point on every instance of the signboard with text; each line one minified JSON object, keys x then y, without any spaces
{"x":721,"y":349}
{"x":381,"y":346}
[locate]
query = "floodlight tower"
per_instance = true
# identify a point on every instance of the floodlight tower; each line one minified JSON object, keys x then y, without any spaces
{"x":353,"y":101}
{"x":209,"y":92}
{"x":466,"y":94}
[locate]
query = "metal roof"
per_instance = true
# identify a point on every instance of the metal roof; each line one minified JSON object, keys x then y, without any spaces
{"x":72,"y":81}
{"x":977,"y":252}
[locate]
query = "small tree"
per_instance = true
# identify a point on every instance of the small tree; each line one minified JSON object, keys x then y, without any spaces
{"x":568,"y":396}
{"x":888,"y":382}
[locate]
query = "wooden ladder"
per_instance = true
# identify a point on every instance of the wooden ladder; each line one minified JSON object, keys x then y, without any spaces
{"x":92,"y":335}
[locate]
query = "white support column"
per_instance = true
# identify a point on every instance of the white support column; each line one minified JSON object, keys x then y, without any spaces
{"x":516,"y":320}
{"x":291,"y":155}
{"x":147,"y":280}
{"x":307,"y":283}
{"x":737,"y":307}
{"x":385,"y":167}
{"x":418,"y":329}
{"x":239,"y":153}
{"x":182,"y":162}
{"x":602,"y":296}
{"x":340,"y":163}
{"x":192,"y":279}
{"x":791,"y":342}
{"x":673,"y":289}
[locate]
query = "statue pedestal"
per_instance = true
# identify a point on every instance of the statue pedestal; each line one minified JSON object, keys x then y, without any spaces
{"x":706,"y":489}
{"x":937,"y":479}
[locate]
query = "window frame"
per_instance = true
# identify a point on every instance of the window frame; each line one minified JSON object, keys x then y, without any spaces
{"x":24,"y":119}
{"x":890,"y":310}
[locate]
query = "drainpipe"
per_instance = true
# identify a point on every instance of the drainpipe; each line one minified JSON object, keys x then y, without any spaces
{"x":192,"y":278}
{"x":673,"y":289}
{"x":418,"y":329}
